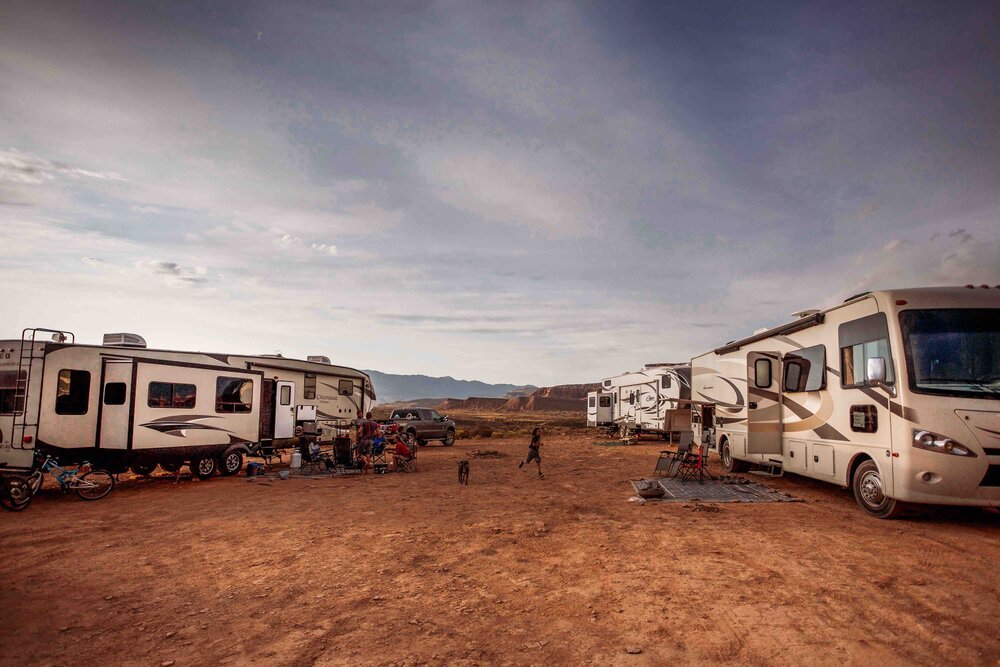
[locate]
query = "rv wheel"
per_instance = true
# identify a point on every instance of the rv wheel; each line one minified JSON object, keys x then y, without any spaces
{"x":171,"y":467}
{"x":869,"y":492}
{"x":143,"y":469}
{"x":232,"y":463}
{"x":204,"y":467}
{"x":728,"y":462}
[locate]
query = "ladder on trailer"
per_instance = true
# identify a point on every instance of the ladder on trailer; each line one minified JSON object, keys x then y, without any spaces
{"x":24,"y":417}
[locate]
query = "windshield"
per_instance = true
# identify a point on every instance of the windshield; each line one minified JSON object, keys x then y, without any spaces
{"x":954,"y":352}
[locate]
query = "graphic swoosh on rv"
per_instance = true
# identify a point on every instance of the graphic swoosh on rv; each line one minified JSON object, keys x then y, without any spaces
{"x":176,"y":425}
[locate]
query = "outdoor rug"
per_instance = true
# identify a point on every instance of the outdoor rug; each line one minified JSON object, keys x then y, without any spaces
{"x":714,"y":491}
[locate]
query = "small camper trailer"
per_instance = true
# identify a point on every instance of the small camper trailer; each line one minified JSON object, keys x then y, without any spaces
{"x":123,"y":405}
{"x":895,"y":394}
{"x":649,"y":401}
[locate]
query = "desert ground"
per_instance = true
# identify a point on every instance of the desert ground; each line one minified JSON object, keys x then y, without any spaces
{"x":414,"y":569}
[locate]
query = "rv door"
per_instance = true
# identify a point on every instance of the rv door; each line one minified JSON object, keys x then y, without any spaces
{"x":764,"y":403}
{"x":284,"y":413}
{"x":116,"y":405}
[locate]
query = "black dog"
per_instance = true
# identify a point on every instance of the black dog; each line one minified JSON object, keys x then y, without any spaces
{"x":463,"y":472}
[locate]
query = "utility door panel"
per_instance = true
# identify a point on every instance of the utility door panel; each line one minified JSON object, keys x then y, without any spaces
{"x":284,"y":413}
{"x":116,"y":404}
{"x":764,"y":403}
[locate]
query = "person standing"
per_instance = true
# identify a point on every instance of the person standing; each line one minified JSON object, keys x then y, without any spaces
{"x":533,"y":455}
{"x":366,"y":436}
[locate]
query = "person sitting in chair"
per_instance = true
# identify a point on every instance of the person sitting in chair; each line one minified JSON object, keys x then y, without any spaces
{"x":401,"y":455}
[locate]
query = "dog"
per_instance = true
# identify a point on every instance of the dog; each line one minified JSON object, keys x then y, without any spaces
{"x":463,"y":472}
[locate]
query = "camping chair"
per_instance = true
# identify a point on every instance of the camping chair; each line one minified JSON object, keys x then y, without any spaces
{"x":669,"y":462}
{"x":266,"y":451}
{"x":407,"y":465}
{"x":695,"y":466}
{"x":314,"y":464}
{"x":380,"y":463}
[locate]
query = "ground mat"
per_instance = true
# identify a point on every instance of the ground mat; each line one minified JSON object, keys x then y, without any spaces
{"x":714,"y":491}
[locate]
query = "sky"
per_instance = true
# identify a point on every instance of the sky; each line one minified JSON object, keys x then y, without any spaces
{"x":539,"y":192}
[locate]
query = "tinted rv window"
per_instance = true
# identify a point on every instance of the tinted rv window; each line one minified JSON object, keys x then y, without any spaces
{"x":346,"y":387}
{"x":762,"y":373}
{"x":73,"y":392}
{"x":171,"y":395}
{"x":593,"y":401}
{"x":605,"y":401}
{"x":805,"y":370}
{"x":861,"y":340}
{"x":309,"y":387}
{"x":665,"y":382}
{"x":286,"y":395}
{"x":233,"y":394}
{"x":114,"y":393}
{"x":8,"y":389}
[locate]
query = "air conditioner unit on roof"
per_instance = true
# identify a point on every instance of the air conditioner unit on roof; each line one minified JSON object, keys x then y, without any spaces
{"x":124,"y":340}
{"x":319,"y":359}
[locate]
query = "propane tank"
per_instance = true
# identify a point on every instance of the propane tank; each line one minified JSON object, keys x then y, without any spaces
{"x":296,"y":459}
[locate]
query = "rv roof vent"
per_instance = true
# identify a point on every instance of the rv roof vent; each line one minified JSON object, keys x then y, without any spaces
{"x":273,"y":356}
{"x":319,"y":359}
{"x":124,"y":340}
{"x":805,"y":313}
{"x":760,"y":331}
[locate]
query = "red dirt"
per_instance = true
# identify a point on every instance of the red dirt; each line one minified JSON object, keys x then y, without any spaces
{"x":412,"y":569}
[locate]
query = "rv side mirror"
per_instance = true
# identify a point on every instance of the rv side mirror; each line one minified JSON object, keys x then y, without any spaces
{"x":876,"y":370}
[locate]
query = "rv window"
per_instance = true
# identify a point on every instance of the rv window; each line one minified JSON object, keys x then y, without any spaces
{"x":593,"y":401}
{"x":8,"y":388}
{"x":607,"y":383}
{"x":171,"y":395}
{"x":762,"y":373}
{"x":805,"y":369}
{"x":631,"y":398}
{"x":309,"y":387}
{"x":346,"y":387}
{"x":665,"y":382}
{"x":233,"y":394}
{"x":73,"y":392}
{"x":114,"y":393}
{"x":286,"y":395}
{"x":861,"y":340}
{"x":605,"y":401}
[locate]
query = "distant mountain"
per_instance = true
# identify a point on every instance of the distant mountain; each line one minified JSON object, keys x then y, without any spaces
{"x":391,"y":388}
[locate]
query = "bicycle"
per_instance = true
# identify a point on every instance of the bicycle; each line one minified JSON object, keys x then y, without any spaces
{"x":15,"y":492}
{"x":89,"y":483}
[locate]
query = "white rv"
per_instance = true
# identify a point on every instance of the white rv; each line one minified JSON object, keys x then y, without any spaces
{"x":122,"y":405}
{"x":895,"y":394}
{"x":649,"y":401}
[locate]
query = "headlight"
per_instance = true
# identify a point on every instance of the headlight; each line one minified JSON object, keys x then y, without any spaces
{"x":933,"y":442}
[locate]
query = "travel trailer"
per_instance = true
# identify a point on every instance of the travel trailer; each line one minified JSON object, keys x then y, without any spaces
{"x":643,"y":402}
{"x":895,"y":394}
{"x":122,"y":405}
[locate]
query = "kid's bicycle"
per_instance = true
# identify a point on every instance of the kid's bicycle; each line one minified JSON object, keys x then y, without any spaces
{"x":89,"y":483}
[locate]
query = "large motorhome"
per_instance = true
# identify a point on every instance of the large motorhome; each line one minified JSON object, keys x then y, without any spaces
{"x":123,"y":405}
{"x":895,"y":394}
{"x":649,"y":401}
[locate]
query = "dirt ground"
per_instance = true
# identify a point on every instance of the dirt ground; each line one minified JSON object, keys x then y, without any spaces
{"x":413,"y":569}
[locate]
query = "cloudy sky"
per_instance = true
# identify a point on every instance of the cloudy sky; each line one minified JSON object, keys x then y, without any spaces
{"x":535,"y":192}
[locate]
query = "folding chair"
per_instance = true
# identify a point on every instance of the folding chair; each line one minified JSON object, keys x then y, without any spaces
{"x":669,"y":462}
{"x":695,"y":466}
{"x":380,"y":462}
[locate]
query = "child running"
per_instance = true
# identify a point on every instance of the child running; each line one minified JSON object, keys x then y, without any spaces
{"x":536,"y":442}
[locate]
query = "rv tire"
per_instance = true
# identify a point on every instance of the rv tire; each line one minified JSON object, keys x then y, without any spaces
{"x":232,"y":462}
{"x":728,"y":462}
{"x":204,"y":467}
{"x":171,"y":467}
{"x":142,"y":469}
{"x":869,"y":494}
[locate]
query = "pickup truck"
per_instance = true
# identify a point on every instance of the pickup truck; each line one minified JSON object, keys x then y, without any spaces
{"x":423,"y":425}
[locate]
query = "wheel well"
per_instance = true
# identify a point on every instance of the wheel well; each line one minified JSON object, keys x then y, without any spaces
{"x":855,"y":462}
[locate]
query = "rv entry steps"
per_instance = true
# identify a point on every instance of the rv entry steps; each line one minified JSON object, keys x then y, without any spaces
{"x":767,"y":469}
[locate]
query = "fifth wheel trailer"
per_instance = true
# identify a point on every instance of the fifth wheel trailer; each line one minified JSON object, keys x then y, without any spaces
{"x":123,"y":405}
{"x":649,"y":401}
{"x":895,"y":394}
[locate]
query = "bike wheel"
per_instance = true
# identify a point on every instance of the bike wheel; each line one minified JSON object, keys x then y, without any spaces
{"x":95,"y":484}
{"x":15,"y":493}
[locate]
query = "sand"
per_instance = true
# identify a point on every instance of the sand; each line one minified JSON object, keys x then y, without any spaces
{"x":414,"y":569}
